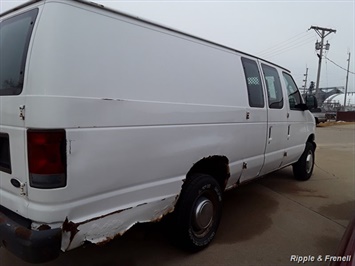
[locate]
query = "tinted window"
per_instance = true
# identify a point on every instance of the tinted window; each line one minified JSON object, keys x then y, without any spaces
{"x":252,"y":77}
{"x":273,"y":85}
{"x":15,"y":35}
{"x":294,"y":96}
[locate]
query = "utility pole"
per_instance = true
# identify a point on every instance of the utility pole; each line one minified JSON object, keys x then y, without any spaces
{"x":322,"y":32}
{"x":305,"y":81}
{"x":346,"y":83}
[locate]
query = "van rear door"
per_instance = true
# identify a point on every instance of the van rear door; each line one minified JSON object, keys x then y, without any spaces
{"x":15,"y":35}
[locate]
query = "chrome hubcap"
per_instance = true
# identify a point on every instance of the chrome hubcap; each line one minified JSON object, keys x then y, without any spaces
{"x":203,"y":215}
{"x":309,"y":162}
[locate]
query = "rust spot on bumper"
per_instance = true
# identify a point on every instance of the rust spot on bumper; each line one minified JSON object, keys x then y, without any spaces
{"x":23,"y":233}
{"x":43,"y":227}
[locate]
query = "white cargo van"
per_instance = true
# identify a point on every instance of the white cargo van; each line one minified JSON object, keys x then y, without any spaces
{"x":107,"y":120}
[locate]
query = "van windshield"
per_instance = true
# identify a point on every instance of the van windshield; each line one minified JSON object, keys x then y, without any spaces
{"x":15,"y":34}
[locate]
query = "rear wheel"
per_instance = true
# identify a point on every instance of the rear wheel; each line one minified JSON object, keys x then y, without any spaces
{"x":303,"y":168}
{"x":198,"y":212}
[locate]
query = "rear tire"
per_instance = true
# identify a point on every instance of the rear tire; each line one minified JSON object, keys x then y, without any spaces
{"x":197,"y":213}
{"x":303,"y":168}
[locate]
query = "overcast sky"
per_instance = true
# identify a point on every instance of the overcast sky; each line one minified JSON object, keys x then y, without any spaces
{"x":274,"y":30}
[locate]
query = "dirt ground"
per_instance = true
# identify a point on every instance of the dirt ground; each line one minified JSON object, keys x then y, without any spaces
{"x":335,"y":123}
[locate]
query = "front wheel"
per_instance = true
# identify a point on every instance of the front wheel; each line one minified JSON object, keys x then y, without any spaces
{"x":303,"y":168}
{"x":198,"y":212}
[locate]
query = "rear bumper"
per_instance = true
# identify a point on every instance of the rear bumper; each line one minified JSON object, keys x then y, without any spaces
{"x":30,"y":245}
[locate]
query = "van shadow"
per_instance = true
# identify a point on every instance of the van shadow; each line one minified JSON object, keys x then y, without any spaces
{"x":247,"y":213}
{"x":284,"y":182}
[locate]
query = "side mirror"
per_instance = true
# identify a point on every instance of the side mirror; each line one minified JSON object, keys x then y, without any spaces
{"x":302,"y":106}
{"x":311,"y":102}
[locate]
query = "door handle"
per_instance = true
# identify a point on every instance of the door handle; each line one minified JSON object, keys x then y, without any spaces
{"x":270,"y":138}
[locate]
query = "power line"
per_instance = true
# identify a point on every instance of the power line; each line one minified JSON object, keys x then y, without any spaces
{"x":283,"y":43}
{"x":289,"y":46}
{"x":286,"y":49}
{"x":338,"y":65}
{"x":272,"y":47}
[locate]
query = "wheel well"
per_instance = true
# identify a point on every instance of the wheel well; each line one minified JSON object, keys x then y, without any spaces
{"x":311,"y":139}
{"x":216,"y":166}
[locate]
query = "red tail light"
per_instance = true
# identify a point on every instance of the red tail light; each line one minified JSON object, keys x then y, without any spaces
{"x":47,"y":158}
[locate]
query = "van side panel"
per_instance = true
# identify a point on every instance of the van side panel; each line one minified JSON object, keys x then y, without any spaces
{"x":119,"y":58}
{"x":139,"y":104}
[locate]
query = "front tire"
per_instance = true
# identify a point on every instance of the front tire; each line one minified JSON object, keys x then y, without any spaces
{"x":303,"y":168}
{"x":198,"y":212}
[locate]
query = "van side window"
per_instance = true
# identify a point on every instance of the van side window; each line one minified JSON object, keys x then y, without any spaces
{"x":252,"y":77}
{"x":274,"y":89}
{"x":15,"y":34}
{"x":294,"y":96}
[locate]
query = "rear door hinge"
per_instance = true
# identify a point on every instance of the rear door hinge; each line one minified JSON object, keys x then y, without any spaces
{"x":22,"y":112}
{"x":245,"y":165}
{"x":23,"y":189}
{"x":247,"y":115}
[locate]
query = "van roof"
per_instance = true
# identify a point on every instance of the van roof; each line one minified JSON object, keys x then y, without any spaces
{"x":143,"y":20}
